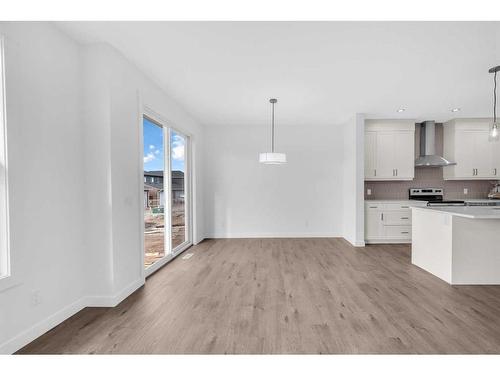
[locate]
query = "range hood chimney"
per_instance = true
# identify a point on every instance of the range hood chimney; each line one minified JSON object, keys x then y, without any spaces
{"x":428,"y":157}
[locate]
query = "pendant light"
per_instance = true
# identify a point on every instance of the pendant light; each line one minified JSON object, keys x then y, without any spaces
{"x":494,"y":131}
{"x":272,"y":157}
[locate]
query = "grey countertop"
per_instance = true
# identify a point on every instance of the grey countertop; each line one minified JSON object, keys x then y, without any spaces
{"x":470,"y":212}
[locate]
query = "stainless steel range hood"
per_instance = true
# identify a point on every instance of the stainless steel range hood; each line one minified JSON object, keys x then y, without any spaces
{"x":428,"y":157}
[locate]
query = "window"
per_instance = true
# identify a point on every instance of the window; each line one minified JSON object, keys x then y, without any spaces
{"x":154,"y":209}
{"x":167,"y":230}
{"x":4,"y":239}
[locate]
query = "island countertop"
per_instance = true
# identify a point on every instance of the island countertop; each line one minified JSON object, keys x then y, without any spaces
{"x":469,"y":212}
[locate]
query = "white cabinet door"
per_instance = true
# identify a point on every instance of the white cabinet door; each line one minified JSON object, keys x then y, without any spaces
{"x":495,"y":159}
{"x":483,"y":155}
{"x":477,"y":158}
{"x":464,"y":154}
{"x":373,"y":223}
{"x":370,"y":154}
{"x":404,"y":155}
{"x":385,"y":155}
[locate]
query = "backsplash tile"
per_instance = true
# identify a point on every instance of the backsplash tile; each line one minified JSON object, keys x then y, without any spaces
{"x":428,"y":177}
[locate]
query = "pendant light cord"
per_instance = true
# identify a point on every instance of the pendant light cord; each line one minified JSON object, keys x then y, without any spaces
{"x":495,"y":99}
{"x":272,"y":131}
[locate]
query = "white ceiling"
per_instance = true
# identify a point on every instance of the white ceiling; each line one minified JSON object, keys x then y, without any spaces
{"x":321,"y":72}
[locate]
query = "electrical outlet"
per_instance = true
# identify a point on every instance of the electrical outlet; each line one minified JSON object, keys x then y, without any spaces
{"x":36,"y":299}
{"x":466,"y":191}
{"x":368,"y":191}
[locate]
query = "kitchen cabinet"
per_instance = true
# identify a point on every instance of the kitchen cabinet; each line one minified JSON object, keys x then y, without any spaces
{"x":370,"y":154}
{"x":495,"y":163}
{"x":389,"y":150}
{"x":389,"y":221}
{"x":466,"y":142}
{"x":374,"y":229}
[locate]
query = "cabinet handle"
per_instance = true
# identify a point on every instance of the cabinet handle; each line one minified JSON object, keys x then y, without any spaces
{"x":405,"y":206}
{"x":404,"y":218}
{"x":375,"y":172}
{"x":382,"y":216}
{"x":404,"y":232}
{"x":396,"y":172}
{"x":494,"y":171}
{"x":373,"y":206}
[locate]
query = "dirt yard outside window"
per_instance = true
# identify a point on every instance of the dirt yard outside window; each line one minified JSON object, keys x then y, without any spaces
{"x":154,"y":232}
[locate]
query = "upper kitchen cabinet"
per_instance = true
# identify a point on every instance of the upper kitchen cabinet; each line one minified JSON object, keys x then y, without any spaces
{"x":389,"y":150}
{"x":466,"y":141}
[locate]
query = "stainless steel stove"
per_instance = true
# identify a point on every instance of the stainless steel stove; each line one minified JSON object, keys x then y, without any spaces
{"x":433,"y":197}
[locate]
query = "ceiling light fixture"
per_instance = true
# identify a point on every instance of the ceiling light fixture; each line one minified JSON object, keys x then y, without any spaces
{"x":401,"y":110}
{"x":272,"y":157}
{"x":455,"y":109}
{"x":494,"y":131}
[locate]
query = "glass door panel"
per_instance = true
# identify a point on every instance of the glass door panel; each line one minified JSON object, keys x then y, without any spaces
{"x":179,"y":189}
{"x":154,"y":194}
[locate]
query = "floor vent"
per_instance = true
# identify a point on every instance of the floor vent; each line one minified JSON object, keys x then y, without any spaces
{"x":187,"y":256}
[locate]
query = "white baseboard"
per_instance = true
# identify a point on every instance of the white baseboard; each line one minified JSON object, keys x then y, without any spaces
{"x":355,"y":243}
{"x":274,"y":235}
{"x":30,"y":334}
{"x":196,"y":241}
{"x":114,"y":300}
{"x":387,"y":241}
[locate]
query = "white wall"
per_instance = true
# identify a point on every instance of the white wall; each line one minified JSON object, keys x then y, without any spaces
{"x":247,"y":199}
{"x":353,"y":180}
{"x":113,"y":154}
{"x":45,"y":152}
{"x":75,"y":181}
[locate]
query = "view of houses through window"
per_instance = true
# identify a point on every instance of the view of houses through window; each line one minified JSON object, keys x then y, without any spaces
{"x":154,"y":195}
{"x":178,"y":166}
{"x":157,"y":191}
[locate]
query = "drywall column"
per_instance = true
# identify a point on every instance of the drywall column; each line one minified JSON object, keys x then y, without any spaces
{"x":97,"y":161}
{"x":353,"y":180}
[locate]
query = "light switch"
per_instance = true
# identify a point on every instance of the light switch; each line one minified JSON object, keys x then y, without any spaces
{"x":368,"y":191}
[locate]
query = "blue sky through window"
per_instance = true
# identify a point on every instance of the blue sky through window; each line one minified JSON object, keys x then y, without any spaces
{"x":177,"y":144}
{"x":153,"y":148}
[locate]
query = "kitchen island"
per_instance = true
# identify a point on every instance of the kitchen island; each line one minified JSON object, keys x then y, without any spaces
{"x":458,"y":244}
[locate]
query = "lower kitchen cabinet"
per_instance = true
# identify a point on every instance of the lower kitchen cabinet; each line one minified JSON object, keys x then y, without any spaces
{"x":388,"y":221}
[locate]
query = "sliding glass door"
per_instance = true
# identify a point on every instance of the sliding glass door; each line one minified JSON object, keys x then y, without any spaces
{"x":167,"y":198}
{"x":154,"y":192}
{"x":179,"y":195}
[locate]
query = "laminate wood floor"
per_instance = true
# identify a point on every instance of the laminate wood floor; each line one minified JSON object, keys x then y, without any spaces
{"x":288,"y":296}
